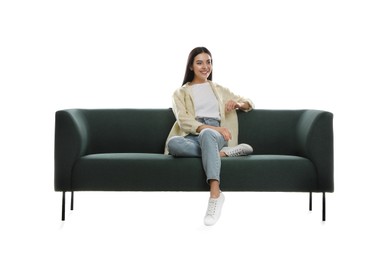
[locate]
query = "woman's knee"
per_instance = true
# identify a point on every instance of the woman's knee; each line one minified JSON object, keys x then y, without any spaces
{"x":207,"y":136}
{"x":208,"y":132}
{"x":174,"y":144}
{"x":183,"y":147}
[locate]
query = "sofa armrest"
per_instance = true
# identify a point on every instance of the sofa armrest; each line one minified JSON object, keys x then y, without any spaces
{"x":315,"y":142}
{"x":71,"y":142}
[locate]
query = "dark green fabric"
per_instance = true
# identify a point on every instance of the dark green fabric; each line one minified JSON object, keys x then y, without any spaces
{"x":315,"y":142}
{"x":71,"y":141}
{"x":157,"y":172}
{"x":268,"y":173}
{"x":138,"y":172}
{"x":270,"y":131}
{"x":122,"y":149}
{"x":128,"y":130}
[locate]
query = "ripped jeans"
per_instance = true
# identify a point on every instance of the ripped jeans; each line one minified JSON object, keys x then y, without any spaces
{"x":205,"y":145}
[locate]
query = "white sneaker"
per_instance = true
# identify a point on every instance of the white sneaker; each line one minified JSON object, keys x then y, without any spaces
{"x":214,"y":210}
{"x":239,"y":150}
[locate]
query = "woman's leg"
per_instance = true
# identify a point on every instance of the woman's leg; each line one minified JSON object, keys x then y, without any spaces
{"x":188,"y":146}
{"x":215,"y":190}
{"x":211,"y":142}
{"x":206,"y":145}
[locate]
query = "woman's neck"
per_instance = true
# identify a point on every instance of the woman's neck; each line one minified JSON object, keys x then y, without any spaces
{"x":198,"y":82}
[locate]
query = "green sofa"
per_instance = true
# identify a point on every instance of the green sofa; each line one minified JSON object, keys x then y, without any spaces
{"x":122,"y":150}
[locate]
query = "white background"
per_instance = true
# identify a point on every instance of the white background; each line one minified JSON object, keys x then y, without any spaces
{"x":329,"y":55}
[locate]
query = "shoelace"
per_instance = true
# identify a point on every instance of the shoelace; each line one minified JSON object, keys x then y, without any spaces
{"x":212,"y":207}
{"x":236,"y":152}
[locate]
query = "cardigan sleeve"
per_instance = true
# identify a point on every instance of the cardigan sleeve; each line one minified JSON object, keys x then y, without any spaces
{"x":184,"y":112}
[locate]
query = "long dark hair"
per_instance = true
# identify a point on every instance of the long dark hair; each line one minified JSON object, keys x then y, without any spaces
{"x":189,"y":75}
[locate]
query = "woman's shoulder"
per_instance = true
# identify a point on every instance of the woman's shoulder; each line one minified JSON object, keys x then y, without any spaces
{"x":218,"y":86}
{"x":182,"y":90}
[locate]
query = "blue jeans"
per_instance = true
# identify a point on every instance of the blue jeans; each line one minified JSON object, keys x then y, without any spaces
{"x":205,"y":145}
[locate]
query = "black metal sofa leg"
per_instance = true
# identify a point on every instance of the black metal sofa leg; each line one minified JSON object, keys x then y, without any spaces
{"x":323,"y":205}
{"x":63,"y":204}
{"x":71,"y":201}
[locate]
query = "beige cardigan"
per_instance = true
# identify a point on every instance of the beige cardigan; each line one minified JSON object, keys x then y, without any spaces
{"x":184,"y":110}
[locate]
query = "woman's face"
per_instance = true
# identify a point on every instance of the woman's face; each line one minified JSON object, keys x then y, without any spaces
{"x":202,"y":67}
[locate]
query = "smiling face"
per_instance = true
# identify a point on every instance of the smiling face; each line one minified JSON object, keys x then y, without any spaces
{"x":202,"y":68}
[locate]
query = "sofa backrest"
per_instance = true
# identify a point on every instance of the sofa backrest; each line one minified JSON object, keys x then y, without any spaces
{"x":128,"y":130}
{"x":146,"y":130}
{"x":270,"y":131}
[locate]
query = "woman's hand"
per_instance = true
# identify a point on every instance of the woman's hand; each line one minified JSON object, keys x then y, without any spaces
{"x":231,"y":105}
{"x":225,"y":133}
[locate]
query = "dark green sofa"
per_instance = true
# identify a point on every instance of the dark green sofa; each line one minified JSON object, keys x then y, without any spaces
{"x":122,"y":150}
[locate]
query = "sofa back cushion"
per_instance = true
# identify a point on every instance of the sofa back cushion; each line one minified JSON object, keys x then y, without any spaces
{"x":128,"y":130}
{"x":270,"y":131}
{"x":146,"y":130}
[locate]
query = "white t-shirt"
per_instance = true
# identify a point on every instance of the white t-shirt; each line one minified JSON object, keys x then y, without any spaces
{"x":205,"y":102}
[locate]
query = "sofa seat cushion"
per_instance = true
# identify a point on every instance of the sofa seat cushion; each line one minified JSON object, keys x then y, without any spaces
{"x":268,"y":173}
{"x":158,"y":172}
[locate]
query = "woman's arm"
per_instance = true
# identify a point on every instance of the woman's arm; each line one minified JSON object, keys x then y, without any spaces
{"x":231,"y":105}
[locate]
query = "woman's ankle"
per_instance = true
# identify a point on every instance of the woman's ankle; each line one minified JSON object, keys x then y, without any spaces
{"x":214,"y":189}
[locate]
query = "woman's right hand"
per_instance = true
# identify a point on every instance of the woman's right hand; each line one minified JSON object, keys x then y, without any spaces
{"x":224,"y":132}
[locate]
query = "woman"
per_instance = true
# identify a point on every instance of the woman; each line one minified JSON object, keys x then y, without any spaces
{"x":207,"y":124}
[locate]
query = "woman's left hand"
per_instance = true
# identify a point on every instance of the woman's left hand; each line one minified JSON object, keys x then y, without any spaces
{"x":231,"y":105}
